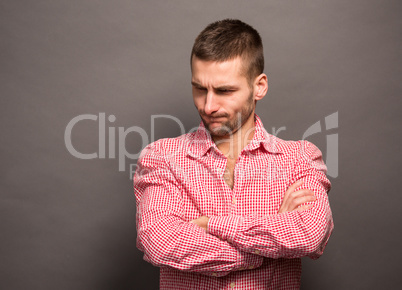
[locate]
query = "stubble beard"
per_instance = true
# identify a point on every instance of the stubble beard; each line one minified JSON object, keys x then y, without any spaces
{"x":231,"y":126}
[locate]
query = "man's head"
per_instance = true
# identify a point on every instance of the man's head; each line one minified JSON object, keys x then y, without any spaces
{"x":227,"y":63}
{"x":228,"y":39}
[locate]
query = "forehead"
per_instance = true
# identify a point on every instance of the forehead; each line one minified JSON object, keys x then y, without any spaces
{"x":204,"y":71}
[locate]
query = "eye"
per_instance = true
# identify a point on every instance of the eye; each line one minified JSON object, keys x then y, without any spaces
{"x":200,"y":89}
{"x":225,"y":91}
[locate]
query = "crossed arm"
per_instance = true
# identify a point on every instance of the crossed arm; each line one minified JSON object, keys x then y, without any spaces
{"x":166,"y":238}
{"x":293,"y":200}
{"x":209,"y":245}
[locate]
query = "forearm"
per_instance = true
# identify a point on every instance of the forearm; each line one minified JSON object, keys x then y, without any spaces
{"x":288,"y":235}
{"x":164,"y":234}
{"x":182,"y":245}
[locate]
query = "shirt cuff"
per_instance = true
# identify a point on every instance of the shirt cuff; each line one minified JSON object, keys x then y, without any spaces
{"x":224,"y":227}
{"x":248,"y":261}
{"x":245,"y":261}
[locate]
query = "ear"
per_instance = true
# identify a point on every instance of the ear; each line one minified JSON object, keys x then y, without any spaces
{"x":260,"y":86}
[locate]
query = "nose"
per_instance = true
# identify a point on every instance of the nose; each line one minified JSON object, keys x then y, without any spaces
{"x":211,"y":104}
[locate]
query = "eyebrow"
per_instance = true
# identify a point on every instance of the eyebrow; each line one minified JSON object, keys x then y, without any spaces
{"x":221,"y":87}
{"x":195,"y":84}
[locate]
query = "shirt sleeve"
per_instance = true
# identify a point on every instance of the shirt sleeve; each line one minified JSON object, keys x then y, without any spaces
{"x":291,"y":234}
{"x":165,"y":238}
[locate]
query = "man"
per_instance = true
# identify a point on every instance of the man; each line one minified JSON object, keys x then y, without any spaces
{"x":230,"y":206}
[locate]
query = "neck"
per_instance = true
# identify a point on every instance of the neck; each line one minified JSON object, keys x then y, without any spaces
{"x":233,"y":144}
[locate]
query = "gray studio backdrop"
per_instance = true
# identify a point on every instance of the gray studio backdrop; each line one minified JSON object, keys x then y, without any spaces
{"x":69,"y":223}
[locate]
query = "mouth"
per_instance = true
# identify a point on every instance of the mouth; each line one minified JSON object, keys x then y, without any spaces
{"x":214,"y":119}
{"x":213,"y":122}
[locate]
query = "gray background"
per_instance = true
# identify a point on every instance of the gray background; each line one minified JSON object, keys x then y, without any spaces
{"x":68,"y":223}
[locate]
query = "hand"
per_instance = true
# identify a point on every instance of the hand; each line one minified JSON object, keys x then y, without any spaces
{"x":202,"y":222}
{"x":293,"y":200}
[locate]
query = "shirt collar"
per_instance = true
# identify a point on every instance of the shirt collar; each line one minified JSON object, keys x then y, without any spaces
{"x":202,"y":140}
{"x":261,"y":137}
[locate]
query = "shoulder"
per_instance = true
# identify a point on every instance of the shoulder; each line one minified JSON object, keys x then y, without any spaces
{"x":168,"y":146}
{"x":295,"y":149}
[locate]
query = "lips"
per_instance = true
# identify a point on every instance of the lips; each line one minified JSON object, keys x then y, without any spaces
{"x":214,"y":118}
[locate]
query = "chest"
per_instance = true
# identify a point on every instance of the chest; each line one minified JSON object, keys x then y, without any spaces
{"x":228,"y":175}
{"x":220,"y":186}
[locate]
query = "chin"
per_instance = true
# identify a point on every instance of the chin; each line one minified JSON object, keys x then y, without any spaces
{"x":220,"y":131}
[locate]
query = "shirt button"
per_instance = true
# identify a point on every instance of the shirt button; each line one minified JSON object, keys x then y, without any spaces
{"x":233,"y":200}
{"x":251,"y":267}
{"x":232,"y":285}
{"x":214,"y":274}
{"x":257,"y":252}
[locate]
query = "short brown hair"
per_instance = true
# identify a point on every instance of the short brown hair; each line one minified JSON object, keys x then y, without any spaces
{"x":230,"y":38}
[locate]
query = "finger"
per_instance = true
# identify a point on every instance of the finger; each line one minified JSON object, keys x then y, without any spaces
{"x":294,"y":202}
{"x":290,"y":195}
{"x":298,"y":197}
{"x":304,"y":207}
{"x":293,"y":187}
{"x":301,"y":192}
{"x":195,"y":221}
{"x":302,"y":200}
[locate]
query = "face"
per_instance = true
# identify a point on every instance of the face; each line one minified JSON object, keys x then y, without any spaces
{"x":222,"y":95}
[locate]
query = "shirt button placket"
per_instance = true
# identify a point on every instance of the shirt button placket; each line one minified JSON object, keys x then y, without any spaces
{"x":233,"y":204}
{"x":236,"y":186}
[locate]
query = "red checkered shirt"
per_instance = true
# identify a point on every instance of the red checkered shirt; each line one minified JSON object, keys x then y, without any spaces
{"x":248,"y":245}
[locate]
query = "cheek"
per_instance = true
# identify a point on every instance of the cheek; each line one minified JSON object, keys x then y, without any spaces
{"x":198,"y":103}
{"x":233,"y":105}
